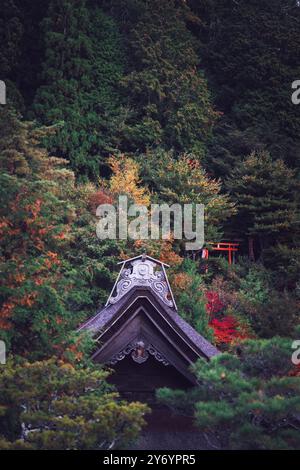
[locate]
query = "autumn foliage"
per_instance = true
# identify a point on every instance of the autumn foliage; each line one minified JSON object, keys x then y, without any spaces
{"x":227,"y":328}
{"x":35,"y":227}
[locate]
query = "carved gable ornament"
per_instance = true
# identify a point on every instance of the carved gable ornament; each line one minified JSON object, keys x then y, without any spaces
{"x":143,"y":271}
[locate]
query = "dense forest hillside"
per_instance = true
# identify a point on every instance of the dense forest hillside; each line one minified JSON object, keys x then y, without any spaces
{"x":165,"y":101}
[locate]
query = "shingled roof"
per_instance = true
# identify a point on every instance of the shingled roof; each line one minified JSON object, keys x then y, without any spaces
{"x":106,"y":316}
{"x":138,"y":285}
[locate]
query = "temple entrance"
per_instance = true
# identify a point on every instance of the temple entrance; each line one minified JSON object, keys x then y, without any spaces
{"x":139,"y":381}
{"x":164,"y":429}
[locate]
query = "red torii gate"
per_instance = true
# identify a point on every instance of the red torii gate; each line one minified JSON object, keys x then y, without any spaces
{"x":229,"y":247}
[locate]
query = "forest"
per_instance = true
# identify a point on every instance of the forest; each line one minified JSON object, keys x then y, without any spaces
{"x":164,"y":101}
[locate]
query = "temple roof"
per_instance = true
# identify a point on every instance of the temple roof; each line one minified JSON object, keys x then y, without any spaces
{"x":104,"y":317}
{"x":142,"y":285}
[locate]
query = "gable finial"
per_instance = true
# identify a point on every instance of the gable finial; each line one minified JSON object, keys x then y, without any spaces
{"x":143,"y":270}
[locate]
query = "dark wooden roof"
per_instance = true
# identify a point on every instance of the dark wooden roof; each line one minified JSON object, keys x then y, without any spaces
{"x":140,"y":321}
{"x":107,"y":316}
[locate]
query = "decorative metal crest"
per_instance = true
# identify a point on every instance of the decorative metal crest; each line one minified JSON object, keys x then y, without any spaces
{"x":143,"y":272}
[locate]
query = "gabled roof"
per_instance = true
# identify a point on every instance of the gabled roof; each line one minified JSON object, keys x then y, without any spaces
{"x":106,"y":316}
{"x":141,"y":310}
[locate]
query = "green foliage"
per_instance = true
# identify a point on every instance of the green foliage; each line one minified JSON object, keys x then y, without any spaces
{"x":250,"y":52}
{"x":183,"y":180}
{"x":267,"y":194}
{"x":52,"y":405}
{"x":55,"y":272}
{"x":82,"y":67}
{"x":191,"y":303}
{"x":253,"y":287}
{"x":167,"y":93}
{"x":248,"y":400}
{"x":284,"y":261}
{"x":278,"y":314}
{"x":247,"y":290}
{"x":11,"y":35}
{"x":128,"y":76}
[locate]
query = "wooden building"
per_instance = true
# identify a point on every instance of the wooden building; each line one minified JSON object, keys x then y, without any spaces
{"x":141,"y":335}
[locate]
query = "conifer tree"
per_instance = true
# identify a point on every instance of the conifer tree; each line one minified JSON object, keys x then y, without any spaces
{"x":55,"y":271}
{"x":53,"y":405}
{"x":267,"y":197}
{"x":34,"y":229}
{"x":167,"y":93}
{"x":249,"y":400}
{"x":251,"y":54}
{"x":82,"y":67}
{"x":185,"y":181}
{"x":11,"y":36}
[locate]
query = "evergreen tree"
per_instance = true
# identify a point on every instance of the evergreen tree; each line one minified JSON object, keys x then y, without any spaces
{"x":250,"y":400}
{"x":185,"y":181}
{"x":82,"y":67}
{"x":34,"y":226}
{"x":31,"y":50}
{"x":52,"y":405}
{"x":267,"y":195}
{"x":250,"y":51}
{"x":11,"y":36}
{"x":55,"y":272}
{"x":166,"y":91}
